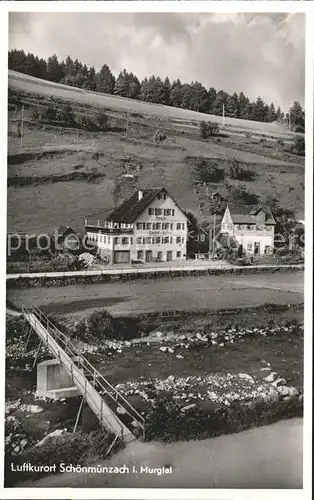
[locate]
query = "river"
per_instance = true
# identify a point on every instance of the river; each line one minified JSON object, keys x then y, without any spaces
{"x":264,"y":457}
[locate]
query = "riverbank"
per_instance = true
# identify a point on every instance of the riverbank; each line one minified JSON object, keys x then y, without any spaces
{"x":231,"y":374}
{"x":265,"y":457}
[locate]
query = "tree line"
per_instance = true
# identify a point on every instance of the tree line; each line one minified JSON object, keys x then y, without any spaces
{"x":193,"y":96}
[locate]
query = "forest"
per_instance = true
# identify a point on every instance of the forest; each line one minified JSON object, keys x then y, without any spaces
{"x":193,"y":96}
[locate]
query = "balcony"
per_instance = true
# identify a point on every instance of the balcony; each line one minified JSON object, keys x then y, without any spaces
{"x":108,"y":227}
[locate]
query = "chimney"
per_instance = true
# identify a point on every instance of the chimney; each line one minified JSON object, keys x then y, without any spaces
{"x":139,"y":195}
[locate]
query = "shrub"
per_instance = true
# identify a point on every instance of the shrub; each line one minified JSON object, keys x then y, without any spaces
{"x":240,"y":194}
{"x":207,"y":171}
{"x":35,"y":115}
{"x":50,"y":114}
{"x":238,"y":173}
{"x":102,"y":120}
{"x":66,"y":115}
{"x":208,"y":129}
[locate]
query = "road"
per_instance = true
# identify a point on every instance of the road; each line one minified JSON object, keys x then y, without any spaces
{"x":189,"y":293}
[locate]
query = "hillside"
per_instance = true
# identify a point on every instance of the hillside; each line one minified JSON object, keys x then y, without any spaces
{"x":56,"y":177}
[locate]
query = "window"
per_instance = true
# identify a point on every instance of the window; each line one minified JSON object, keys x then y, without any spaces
{"x":250,"y":227}
{"x":139,"y":225}
{"x":148,"y":225}
{"x":167,"y":211}
{"x":139,"y":240}
{"x":108,"y":239}
{"x":178,"y":255}
{"x":170,"y":239}
{"x":158,"y":225}
{"x":249,"y":247}
{"x":165,"y":196}
{"x":158,"y":239}
{"x":116,"y":240}
{"x":167,"y":226}
{"x":131,"y":241}
{"x":105,"y":238}
{"x":159,"y":196}
{"x":172,"y":211}
{"x":148,"y":240}
{"x":140,"y":254}
{"x":171,"y":226}
{"x":158,"y":211}
{"x":180,"y":225}
{"x":125,"y":240}
{"x":159,"y":256}
{"x":151,"y":211}
{"x":167,"y":239}
{"x":229,"y":226}
{"x":178,"y":239}
{"x":154,"y":226}
{"x":202,"y":237}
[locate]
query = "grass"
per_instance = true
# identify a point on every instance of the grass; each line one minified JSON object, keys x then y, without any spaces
{"x":46,"y":153}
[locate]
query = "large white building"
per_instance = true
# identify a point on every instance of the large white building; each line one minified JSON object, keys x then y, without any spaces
{"x":253,"y":228}
{"x":148,"y":227}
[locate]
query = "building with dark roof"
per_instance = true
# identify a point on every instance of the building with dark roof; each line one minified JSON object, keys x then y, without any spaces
{"x":253,"y":228}
{"x":147,"y":227}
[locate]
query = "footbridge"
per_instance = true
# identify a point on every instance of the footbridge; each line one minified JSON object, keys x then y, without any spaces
{"x":102,"y":398}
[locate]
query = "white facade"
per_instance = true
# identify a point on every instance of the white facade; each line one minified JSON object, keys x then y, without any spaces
{"x":159,"y":233}
{"x":254,"y":233}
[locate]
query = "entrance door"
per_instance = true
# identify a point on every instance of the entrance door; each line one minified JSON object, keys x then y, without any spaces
{"x":169,"y":255}
{"x":148,"y":256}
{"x":256,"y":248}
{"x":121,"y":256}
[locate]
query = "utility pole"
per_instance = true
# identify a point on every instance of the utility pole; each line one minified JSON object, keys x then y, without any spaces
{"x":214,"y":234}
{"x":22,"y":125}
{"x":223,"y":115}
{"x":127,"y":124}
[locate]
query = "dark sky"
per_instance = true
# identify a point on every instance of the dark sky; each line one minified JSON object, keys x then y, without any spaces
{"x":259,"y":54}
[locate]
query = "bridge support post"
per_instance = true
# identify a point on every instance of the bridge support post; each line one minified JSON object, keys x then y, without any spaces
{"x":53,"y":381}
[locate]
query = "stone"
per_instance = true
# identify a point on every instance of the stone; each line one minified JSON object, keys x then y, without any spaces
{"x":188,"y":407}
{"x":271,"y":377}
{"x":120,"y":410}
{"x":53,"y":434}
{"x":170,"y":350}
{"x":283,"y":390}
{"x":247,"y":377}
{"x":163,"y":348}
{"x":170,"y":378}
{"x":293,"y":391}
{"x":179,"y":356}
{"x":279,"y":382}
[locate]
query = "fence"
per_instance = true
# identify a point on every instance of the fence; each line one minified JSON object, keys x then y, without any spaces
{"x":153,"y":270}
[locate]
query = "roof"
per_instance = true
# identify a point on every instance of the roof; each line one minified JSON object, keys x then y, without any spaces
{"x":131,"y":208}
{"x":63,"y":229}
{"x":246,"y":214}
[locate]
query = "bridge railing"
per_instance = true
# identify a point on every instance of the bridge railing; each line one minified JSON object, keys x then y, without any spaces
{"x":97,"y":379}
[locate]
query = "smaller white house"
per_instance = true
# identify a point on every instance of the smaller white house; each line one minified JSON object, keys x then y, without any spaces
{"x":253,"y":228}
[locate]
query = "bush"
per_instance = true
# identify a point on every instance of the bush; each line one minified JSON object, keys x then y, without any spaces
{"x":100,"y":325}
{"x":208,"y":129}
{"x":66,"y":115}
{"x":206,"y":171}
{"x":69,"y":448}
{"x":50,"y":114}
{"x":238,"y":173}
{"x":240,"y":194}
{"x":102,"y":120}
